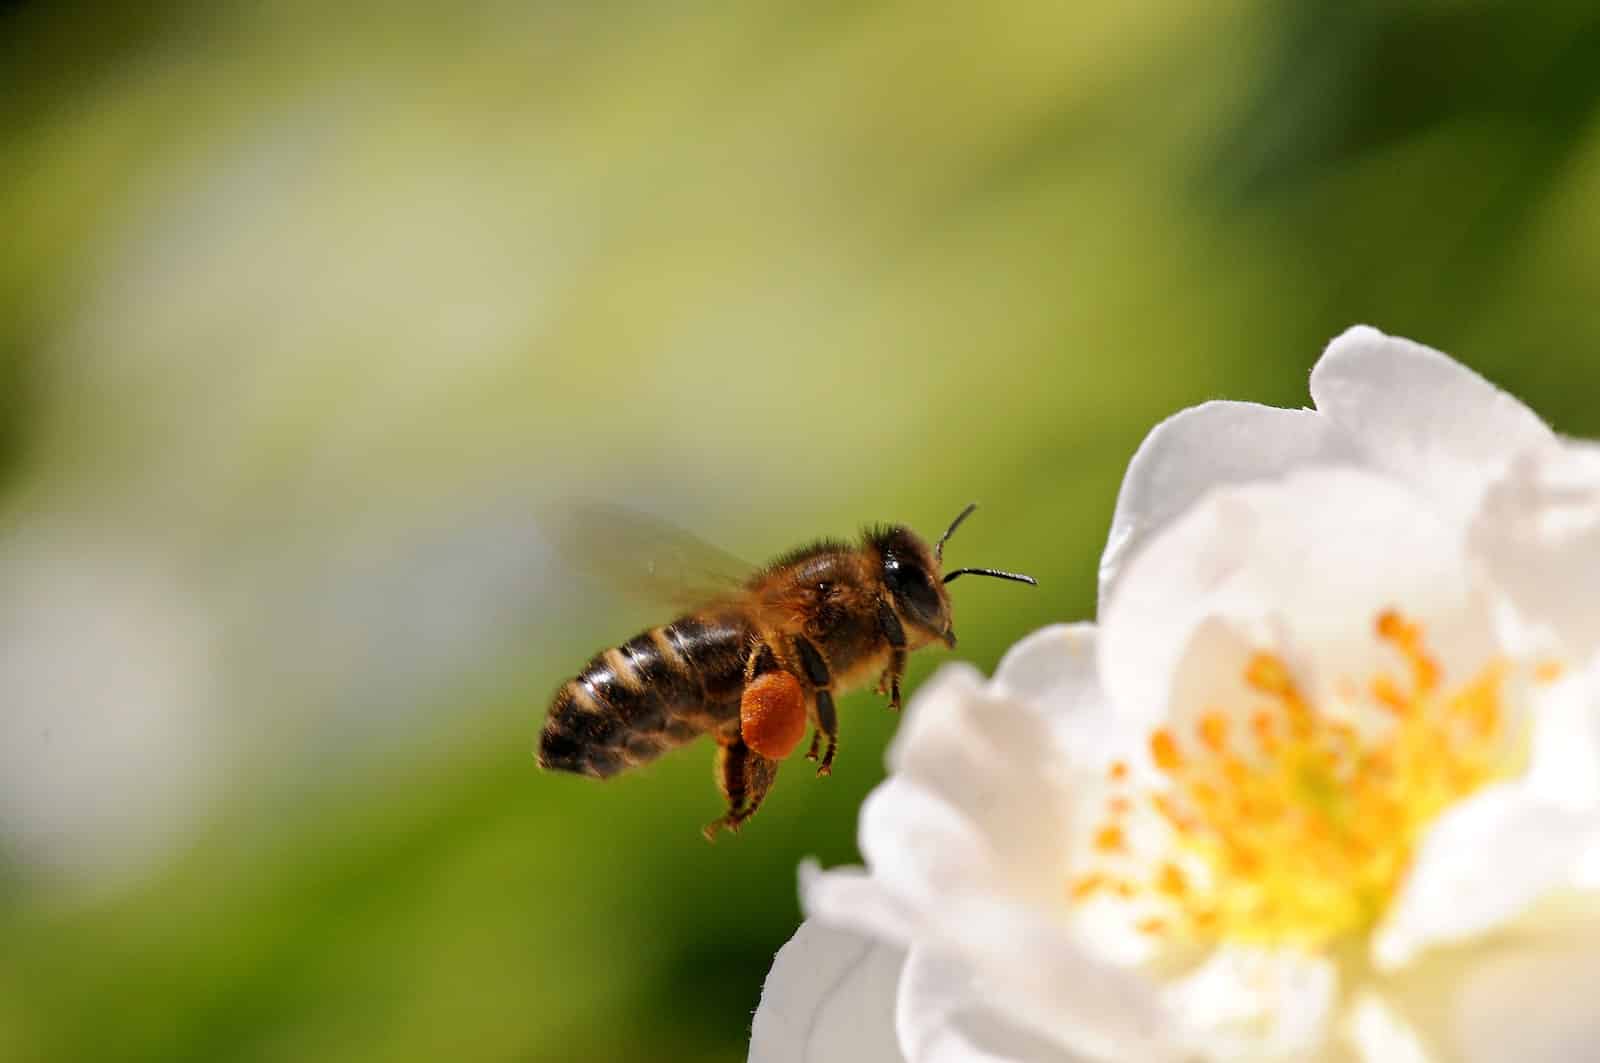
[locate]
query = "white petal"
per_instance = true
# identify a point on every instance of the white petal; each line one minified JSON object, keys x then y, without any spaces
{"x":1483,"y":863}
{"x":830,"y":998}
{"x":1523,"y":995}
{"x":1257,"y":1004}
{"x":1564,"y":762}
{"x":1531,"y":1002}
{"x":1054,"y":673}
{"x":1422,"y":415}
{"x":1379,"y":1034}
{"x":1303,"y":566}
{"x":922,"y":846}
{"x":978,"y":794}
{"x":1031,"y":969}
{"x":1539,"y":527}
{"x":1039,"y":972}
{"x":1206,"y":446}
{"x":850,"y":898}
{"x":942,"y":1018}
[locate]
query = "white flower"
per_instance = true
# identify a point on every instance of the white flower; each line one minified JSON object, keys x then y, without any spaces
{"x":1324,"y":784}
{"x":1473,"y":454}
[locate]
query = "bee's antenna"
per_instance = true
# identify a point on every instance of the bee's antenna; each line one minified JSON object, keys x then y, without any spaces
{"x":938,"y":547}
{"x":996,"y":573}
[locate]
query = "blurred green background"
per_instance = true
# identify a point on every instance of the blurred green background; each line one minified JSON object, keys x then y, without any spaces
{"x":308,"y":315}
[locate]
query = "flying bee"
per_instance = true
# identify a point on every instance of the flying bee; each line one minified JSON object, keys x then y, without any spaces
{"x":754,"y":663}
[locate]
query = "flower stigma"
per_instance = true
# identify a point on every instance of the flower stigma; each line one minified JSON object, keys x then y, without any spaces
{"x":1292,"y":826}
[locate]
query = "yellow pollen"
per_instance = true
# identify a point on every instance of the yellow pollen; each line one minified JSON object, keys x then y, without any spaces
{"x":1549,"y":671}
{"x":1299,"y":831}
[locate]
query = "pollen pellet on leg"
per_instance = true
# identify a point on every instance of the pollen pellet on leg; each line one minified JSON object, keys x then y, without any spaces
{"x":772,"y":714}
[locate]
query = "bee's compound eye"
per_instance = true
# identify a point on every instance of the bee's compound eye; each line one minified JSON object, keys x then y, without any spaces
{"x":912,"y":589}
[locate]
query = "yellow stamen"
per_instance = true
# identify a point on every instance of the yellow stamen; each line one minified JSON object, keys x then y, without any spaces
{"x":1303,"y":832}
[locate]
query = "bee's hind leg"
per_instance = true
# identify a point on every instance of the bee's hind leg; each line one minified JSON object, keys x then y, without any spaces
{"x":744,"y":776}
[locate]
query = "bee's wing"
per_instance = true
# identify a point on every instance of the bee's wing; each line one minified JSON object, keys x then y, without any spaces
{"x":644,"y":557}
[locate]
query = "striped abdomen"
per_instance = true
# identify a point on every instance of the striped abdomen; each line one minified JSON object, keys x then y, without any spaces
{"x":657,"y":690}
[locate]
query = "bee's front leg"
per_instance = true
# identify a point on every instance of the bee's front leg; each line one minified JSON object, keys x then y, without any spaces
{"x":895,"y":636}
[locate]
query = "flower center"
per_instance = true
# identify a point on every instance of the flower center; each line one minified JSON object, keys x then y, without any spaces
{"x":1290,"y":825}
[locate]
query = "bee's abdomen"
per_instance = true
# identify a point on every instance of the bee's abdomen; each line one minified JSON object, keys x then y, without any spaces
{"x":655,"y":691}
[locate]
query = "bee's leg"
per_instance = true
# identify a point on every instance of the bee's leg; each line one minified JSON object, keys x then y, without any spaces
{"x":744,"y":776}
{"x":895,"y":636}
{"x":828,"y":728}
{"x":816,"y":670}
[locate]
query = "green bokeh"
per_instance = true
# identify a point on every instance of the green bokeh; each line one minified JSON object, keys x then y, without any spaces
{"x":791,"y":268}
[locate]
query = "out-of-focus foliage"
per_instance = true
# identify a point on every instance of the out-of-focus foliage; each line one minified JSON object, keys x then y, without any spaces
{"x":309,"y":312}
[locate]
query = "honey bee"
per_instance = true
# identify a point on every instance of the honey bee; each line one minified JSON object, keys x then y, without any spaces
{"x":755,"y":662}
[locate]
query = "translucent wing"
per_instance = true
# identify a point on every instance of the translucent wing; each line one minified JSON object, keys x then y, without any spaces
{"x":644,"y":557}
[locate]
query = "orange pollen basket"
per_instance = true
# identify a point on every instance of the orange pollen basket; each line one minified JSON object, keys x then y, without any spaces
{"x":1290,"y":826}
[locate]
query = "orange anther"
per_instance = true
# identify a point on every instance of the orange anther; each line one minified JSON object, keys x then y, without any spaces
{"x":1110,"y":839}
{"x":1152,"y":926}
{"x":1392,"y":627}
{"x":1426,"y":671}
{"x":1172,"y":881}
{"x":1164,"y":748}
{"x":1119,"y":770}
{"x":1388,"y":694}
{"x":1549,"y":671}
{"x":1268,"y":674}
{"x":1088,"y":886}
{"x":1213,"y":731}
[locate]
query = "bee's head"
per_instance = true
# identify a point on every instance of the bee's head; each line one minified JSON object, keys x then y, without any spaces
{"x":913,"y":575}
{"x":910,"y":574}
